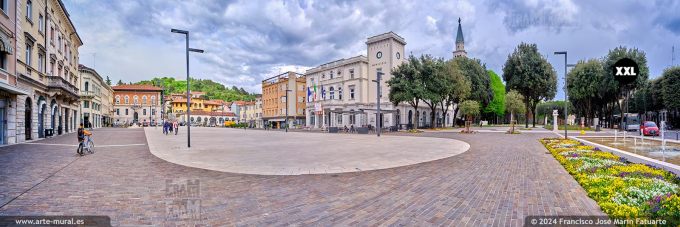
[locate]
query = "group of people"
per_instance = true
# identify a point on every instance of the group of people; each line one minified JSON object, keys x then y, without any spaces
{"x":169,"y":127}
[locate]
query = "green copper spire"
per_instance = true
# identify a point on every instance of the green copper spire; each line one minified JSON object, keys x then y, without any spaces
{"x":459,"y":36}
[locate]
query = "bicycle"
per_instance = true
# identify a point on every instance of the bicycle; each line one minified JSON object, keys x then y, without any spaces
{"x":89,"y":148}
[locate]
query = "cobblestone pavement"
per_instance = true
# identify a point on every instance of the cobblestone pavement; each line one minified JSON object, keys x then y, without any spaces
{"x":499,"y":181}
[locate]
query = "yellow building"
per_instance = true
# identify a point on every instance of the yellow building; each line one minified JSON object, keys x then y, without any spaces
{"x":178,"y":104}
{"x":275,"y":106}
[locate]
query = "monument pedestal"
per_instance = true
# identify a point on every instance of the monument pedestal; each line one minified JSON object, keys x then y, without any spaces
{"x":555,"y":114}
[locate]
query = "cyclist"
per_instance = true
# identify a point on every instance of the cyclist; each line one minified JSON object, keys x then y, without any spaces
{"x":84,"y":136}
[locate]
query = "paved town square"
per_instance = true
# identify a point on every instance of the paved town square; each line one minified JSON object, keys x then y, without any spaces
{"x":275,"y":153}
{"x":498,"y":181}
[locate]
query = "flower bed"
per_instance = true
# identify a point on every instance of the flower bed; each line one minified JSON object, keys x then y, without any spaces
{"x":621,"y":188}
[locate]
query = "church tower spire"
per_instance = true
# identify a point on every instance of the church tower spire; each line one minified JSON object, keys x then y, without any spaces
{"x":460,"y":42}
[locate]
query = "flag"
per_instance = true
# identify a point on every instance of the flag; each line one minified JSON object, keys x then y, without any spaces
{"x":323,"y":93}
{"x":314,"y":92}
{"x":309,"y":94}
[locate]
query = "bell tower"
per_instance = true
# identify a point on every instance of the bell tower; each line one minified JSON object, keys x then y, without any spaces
{"x":460,"y":43}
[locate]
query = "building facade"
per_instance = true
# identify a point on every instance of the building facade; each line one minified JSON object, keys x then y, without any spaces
{"x":275,"y":106}
{"x":13,"y":125}
{"x":211,"y":118}
{"x":137,"y":104}
{"x":252,"y":113}
{"x":95,"y":96}
{"x":47,"y":68}
{"x":343,"y":92}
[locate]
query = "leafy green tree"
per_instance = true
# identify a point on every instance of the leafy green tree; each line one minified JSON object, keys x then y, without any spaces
{"x":455,"y":86}
{"x":610,"y":90}
{"x":497,"y":104}
{"x":671,"y":90}
{"x":514,"y":101}
{"x":213,"y":90}
{"x":406,"y":85}
{"x":480,"y":81}
{"x":584,"y":83}
{"x":531,"y":75}
{"x":434,"y":84}
{"x":469,"y":109}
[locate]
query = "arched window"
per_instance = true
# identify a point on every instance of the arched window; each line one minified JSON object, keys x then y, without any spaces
{"x":135,"y":99}
{"x":117,"y":99}
{"x":127,"y":99}
{"x":340,"y":93}
{"x":332,"y":92}
{"x":144,"y":99}
{"x":153,"y":100}
{"x":87,"y":86}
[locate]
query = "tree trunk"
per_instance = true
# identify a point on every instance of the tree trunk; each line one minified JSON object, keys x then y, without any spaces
{"x":511,"y":123}
{"x":526,"y":114}
{"x":533,"y":112}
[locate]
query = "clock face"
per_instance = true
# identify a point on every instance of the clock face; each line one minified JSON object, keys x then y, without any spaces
{"x":398,"y":55}
{"x":378,"y":55}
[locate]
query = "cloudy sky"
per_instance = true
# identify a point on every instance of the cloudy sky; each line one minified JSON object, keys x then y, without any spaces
{"x":247,"y":41}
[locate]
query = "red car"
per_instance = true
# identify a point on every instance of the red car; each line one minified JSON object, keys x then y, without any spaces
{"x":649,"y":128}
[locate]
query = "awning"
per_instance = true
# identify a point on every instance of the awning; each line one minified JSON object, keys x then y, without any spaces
{"x":275,"y":119}
{"x":5,"y":46}
{"x":11,"y":89}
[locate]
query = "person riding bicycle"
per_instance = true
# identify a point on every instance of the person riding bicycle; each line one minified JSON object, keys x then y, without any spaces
{"x":83,"y":135}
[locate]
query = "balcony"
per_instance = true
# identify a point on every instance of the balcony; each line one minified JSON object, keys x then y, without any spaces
{"x":87,"y":94}
{"x":59,"y":86}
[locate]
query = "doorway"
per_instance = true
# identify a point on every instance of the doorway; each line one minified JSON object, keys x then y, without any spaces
{"x":27,"y":118}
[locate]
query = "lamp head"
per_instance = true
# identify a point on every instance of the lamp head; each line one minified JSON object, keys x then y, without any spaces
{"x":179,"y":31}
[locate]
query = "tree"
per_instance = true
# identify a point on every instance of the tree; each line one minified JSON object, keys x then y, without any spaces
{"x":456,"y":87}
{"x":108,"y":81}
{"x":433,"y":82}
{"x":120,"y":82}
{"x":671,"y":90}
{"x":469,"y":109}
{"x":480,"y":81}
{"x":531,"y":75}
{"x":584,"y":83}
{"x":406,"y":85}
{"x":497,"y":104}
{"x":514,"y":101}
{"x":610,"y":89}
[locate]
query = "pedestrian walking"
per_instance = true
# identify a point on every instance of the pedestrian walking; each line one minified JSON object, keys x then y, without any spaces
{"x":165,"y":127}
{"x":176,"y":126}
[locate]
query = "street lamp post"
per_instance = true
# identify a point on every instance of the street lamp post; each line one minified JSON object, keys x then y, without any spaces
{"x":287,"y":105}
{"x":566,"y":93}
{"x":378,"y":120}
{"x":186,"y":34}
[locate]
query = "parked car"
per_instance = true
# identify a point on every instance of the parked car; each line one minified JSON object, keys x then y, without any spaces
{"x":145,"y":124}
{"x":649,"y":128}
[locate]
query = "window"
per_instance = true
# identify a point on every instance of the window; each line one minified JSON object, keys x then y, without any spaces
{"x":153,"y":100}
{"x":144,"y":112}
{"x":127,"y":101}
{"x":352,"y":118}
{"x":41,"y":24}
{"x":5,"y":6}
{"x":117,"y":99}
{"x":340,"y":93}
{"x":117,"y":111}
{"x":153,"y":111}
{"x":351,"y":73}
{"x":87,"y":86}
{"x":144,"y":99}
{"x":351,"y":92}
{"x":29,"y":49}
{"x":41,"y":62}
{"x":3,"y":61}
{"x":52,"y":36}
{"x":126,"y":112}
{"x":332,"y":91}
{"x":331,"y":74}
{"x":86,"y":104}
{"x":136,"y":99}
{"x":29,"y":10}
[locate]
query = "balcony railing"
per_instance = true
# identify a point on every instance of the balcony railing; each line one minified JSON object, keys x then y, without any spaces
{"x":55,"y":82}
{"x":87,"y":94}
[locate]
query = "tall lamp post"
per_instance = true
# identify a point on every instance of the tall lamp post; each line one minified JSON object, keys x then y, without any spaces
{"x":186,"y":34}
{"x":378,"y":119}
{"x":287,"y":105}
{"x":566,"y":93}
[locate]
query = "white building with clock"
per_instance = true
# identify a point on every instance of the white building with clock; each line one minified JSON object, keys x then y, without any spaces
{"x":343,"y":92}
